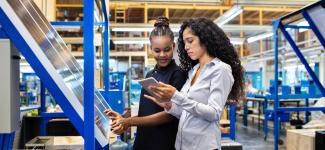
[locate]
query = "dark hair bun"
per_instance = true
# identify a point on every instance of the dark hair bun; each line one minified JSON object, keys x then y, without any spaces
{"x":162,"y":21}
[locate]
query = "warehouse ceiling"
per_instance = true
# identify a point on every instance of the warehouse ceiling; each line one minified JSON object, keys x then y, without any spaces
{"x":212,"y":2}
{"x":257,"y":15}
{"x":177,"y":13}
{"x":291,"y":3}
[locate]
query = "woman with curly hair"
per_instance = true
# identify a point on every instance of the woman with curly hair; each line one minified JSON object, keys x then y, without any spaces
{"x":215,"y":77}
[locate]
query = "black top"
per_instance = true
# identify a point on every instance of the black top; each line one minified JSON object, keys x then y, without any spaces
{"x":160,"y":137}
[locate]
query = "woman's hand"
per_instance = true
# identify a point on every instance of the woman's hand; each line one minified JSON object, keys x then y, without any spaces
{"x":120,"y":125}
{"x":163,"y":92}
{"x":112,"y":114}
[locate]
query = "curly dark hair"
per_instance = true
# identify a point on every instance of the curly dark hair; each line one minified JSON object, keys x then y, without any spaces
{"x":218,"y":45}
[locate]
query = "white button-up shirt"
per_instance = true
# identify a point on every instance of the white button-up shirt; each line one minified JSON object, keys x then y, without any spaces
{"x":200,"y":106}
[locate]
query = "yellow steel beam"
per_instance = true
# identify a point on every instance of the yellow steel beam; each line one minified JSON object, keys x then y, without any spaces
{"x":54,"y":13}
{"x":261,"y":41}
{"x":201,"y":7}
{"x":145,"y":14}
{"x":167,"y":12}
{"x":275,"y":9}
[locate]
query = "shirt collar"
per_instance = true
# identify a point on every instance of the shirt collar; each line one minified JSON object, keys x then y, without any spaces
{"x":212,"y":62}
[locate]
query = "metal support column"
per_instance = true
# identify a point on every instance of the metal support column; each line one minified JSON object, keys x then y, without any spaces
{"x":89,"y":55}
{"x":106,"y":50}
{"x":276,"y":69}
{"x":232,"y":114}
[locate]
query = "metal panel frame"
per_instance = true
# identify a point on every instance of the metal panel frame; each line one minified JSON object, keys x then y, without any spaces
{"x":22,"y":45}
{"x":277,"y":25}
{"x":106,"y":50}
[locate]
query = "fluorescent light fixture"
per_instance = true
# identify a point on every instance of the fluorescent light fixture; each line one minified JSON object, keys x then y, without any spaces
{"x":130,"y":40}
{"x":137,"y":40}
{"x":259,"y":37}
{"x":229,"y":15}
{"x":237,"y":41}
{"x":132,"y":29}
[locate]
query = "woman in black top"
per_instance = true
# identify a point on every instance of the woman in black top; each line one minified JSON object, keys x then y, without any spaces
{"x":156,"y":129}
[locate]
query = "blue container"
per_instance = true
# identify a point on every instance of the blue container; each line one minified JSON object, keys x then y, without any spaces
{"x":131,"y":142}
{"x":118,"y":145}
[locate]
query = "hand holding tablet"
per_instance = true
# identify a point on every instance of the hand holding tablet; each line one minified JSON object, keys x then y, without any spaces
{"x":147,"y":82}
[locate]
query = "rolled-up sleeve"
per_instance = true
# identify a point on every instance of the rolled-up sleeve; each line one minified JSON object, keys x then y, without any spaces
{"x":175,"y":110}
{"x":220,"y":87}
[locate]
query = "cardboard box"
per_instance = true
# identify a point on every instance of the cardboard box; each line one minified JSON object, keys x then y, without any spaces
{"x":56,"y":142}
{"x":301,"y":139}
{"x":228,"y":144}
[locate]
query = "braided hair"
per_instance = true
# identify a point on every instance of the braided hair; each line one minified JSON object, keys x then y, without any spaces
{"x":162,"y":28}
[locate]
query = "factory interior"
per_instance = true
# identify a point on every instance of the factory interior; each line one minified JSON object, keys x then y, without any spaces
{"x":75,"y":74}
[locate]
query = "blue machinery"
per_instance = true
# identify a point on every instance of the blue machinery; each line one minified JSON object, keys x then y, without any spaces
{"x":44,"y":50}
{"x":6,"y":140}
{"x":314,"y":15}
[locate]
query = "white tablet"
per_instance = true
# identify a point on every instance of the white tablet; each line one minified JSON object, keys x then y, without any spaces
{"x":145,"y":83}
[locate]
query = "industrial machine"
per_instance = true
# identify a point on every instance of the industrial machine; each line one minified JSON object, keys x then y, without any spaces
{"x":9,"y":91}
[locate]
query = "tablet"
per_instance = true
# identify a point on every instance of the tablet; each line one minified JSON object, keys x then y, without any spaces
{"x":145,"y":83}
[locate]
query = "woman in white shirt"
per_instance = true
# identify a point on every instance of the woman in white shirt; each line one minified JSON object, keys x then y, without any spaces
{"x":215,"y":76}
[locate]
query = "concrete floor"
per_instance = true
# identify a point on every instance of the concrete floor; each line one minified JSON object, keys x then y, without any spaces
{"x":252,"y":139}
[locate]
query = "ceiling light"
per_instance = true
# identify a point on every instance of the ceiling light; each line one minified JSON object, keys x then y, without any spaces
{"x":130,"y":40}
{"x":237,"y":41}
{"x":259,"y":37}
{"x":229,"y":15}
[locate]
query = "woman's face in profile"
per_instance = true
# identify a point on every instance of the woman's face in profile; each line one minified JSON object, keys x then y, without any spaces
{"x":193,"y":46}
{"x":162,"y":48}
